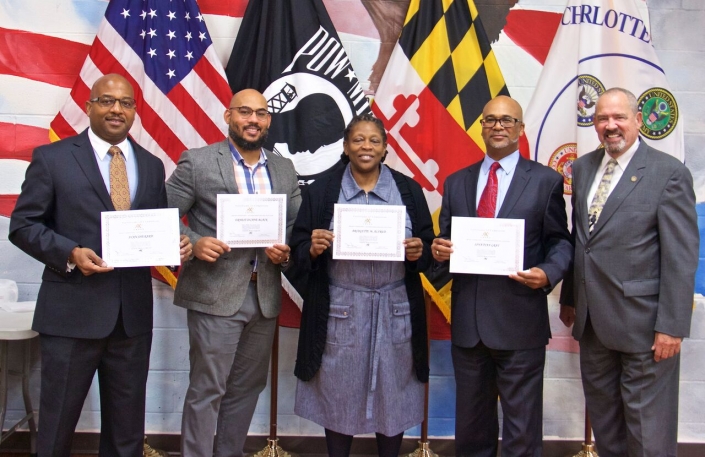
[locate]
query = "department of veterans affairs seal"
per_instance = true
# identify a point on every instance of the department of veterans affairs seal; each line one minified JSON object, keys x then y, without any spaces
{"x":562,"y":161}
{"x":589,"y":90}
{"x":659,"y":113}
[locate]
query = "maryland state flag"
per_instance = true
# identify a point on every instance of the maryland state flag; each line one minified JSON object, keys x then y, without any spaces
{"x":440,"y":76}
{"x":290,"y":51}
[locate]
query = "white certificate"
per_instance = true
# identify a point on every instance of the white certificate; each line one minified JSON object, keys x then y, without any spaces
{"x":140,"y":238}
{"x":251,"y":220}
{"x":369,"y":232}
{"x":487,"y":246}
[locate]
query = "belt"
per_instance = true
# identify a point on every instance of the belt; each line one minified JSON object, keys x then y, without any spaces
{"x":253,"y":276}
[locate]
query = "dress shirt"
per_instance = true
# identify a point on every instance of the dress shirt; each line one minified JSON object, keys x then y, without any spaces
{"x":255,"y":179}
{"x":622,"y":162}
{"x":100,"y":149}
{"x":504,"y":177}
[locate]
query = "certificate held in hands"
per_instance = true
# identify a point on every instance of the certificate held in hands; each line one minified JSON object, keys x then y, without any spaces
{"x":369,"y":232}
{"x":140,"y":238}
{"x":251,"y":220}
{"x":487,"y":246}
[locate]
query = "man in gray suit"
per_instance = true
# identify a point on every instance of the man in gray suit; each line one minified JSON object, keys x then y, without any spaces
{"x":631,"y":294}
{"x":233,"y":296}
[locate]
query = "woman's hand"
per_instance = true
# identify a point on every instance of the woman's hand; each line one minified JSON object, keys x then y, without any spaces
{"x":413,"y":248}
{"x":320,"y":241}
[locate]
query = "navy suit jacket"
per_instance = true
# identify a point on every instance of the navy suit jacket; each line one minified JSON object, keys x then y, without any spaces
{"x":58,"y":209}
{"x":497,"y":310}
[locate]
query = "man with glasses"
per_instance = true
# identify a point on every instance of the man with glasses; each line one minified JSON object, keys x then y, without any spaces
{"x":499,"y":324}
{"x":233,"y":296}
{"x":90,"y":317}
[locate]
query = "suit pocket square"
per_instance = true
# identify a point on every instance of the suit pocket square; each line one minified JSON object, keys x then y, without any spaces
{"x":640,"y":288}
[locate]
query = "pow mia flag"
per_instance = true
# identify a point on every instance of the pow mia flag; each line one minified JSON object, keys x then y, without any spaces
{"x":290,"y":51}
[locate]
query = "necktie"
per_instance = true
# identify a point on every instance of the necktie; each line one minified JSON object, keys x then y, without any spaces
{"x":598,"y":201}
{"x":119,"y":188}
{"x":488,"y":199}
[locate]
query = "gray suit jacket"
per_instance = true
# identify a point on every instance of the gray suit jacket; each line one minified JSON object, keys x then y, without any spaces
{"x":635,"y":272}
{"x":219,"y":288}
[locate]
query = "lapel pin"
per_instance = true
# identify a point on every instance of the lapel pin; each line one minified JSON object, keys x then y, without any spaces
{"x":633,"y":178}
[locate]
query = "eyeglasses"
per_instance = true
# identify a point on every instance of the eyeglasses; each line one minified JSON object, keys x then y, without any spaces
{"x":506,"y":122}
{"x":106,"y":101}
{"x":246,"y":111}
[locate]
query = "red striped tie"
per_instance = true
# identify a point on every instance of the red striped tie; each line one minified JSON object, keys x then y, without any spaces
{"x":488,"y":200}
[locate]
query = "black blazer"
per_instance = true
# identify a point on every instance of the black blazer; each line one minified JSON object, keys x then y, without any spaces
{"x":497,"y":310}
{"x":58,"y":209}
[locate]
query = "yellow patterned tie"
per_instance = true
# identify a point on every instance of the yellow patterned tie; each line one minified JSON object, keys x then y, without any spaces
{"x":598,"y":201}
{"x":119,"y":188}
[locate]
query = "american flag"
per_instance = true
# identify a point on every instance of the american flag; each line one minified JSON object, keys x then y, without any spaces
{"x":165,"y":51}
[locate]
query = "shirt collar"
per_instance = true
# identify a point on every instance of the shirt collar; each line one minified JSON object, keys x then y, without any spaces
{"x":383,"y":188}
{"x":238,"y":158}
{"x":624,"y":159}
{"x":507,"y":163}
{"x":100,"y":146}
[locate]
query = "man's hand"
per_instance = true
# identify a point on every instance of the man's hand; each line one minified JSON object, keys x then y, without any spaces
{"x":278,"y":253}
{"x":320,"y":241}
{"x":665,"y":346}
{"x":534,"y":278}
{"x":413,"y":248}
{"x":441,"y":249}
{"x":185,"y":248}
{"x":567,"y":315}
{"x":88,"y":261}
{"x":209,"y":249}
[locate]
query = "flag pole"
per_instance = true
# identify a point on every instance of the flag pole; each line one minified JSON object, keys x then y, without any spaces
{"x":588,"y":446}
{"x":424,"y":449}
{"x":273,"y":449}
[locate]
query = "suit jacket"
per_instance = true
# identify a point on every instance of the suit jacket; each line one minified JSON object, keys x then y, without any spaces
{"x":58,"y":209}
{"x":497,"y":310}
{"x":635,"y":272}
{"x":219,"y":288}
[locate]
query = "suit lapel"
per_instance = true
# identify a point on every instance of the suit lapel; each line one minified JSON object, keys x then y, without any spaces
{"x":142,"y":172}
{"x":227,"y":169}
{"x":277,"y":187}
{"x":629,"y":180}
{"x":471,"y":178}
{"x":516,"y":187}
{"x":84,"y":155}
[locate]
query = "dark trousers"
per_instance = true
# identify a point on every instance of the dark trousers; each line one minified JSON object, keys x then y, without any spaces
{"x":516,"y":377}
{"x":68,"y":368}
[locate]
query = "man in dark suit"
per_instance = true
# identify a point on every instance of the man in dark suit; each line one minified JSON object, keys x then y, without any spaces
{"x":90,"y":316}
{"x":499,"y":324}
{"x":631,"y":294}
{"x":233,"y":296}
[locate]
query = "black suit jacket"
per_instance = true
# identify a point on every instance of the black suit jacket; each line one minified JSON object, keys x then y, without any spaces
{"x":58,"y":209}
{"x":497,"y":310}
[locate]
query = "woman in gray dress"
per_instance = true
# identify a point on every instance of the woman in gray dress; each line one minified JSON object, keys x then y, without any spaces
{"x":362,"y":355}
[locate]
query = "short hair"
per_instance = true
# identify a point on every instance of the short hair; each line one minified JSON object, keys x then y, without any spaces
{"x":366,"y":117}
{"x":631,"y":98}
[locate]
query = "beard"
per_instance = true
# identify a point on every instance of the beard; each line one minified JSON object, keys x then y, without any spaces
{"x":616,"y":148}
{"x":247,"y":145}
